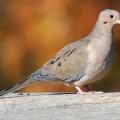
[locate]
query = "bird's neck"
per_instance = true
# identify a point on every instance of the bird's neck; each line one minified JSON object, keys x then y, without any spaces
{"x":102,"y":31}
{"x":101,"y":39}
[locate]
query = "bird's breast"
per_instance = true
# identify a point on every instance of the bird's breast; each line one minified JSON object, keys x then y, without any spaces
{"x":99,"y":58}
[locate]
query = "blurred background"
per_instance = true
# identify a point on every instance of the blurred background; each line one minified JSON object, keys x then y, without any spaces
{"x":32,"y":31}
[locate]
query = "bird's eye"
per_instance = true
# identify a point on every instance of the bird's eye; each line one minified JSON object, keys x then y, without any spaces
{"x":111,"y":16}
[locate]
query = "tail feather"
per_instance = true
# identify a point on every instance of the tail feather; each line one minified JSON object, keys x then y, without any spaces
{"x":18,"y":86}
{"x":34,"y":77}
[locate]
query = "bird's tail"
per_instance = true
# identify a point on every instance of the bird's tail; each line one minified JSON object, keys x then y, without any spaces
{"x":18,"y":86}
{"x":34,"y":77}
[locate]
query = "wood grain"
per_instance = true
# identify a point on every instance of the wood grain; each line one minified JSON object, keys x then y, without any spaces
{"x":55,"y":106}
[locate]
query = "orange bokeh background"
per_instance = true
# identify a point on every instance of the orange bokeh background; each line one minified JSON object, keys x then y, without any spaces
{"x":32,"y":31}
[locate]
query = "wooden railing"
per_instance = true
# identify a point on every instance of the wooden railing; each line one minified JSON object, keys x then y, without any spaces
{"x":35,"y":106}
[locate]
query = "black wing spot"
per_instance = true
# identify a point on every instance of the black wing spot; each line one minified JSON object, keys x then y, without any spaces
{"x":71,"y":51}
{"x":59,"y":64}
{"x":66,"y":52}
{"x":57,"y":59}
{"x":52,"y":62}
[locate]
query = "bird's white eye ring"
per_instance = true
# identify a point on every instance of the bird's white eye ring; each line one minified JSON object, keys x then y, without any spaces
{"x":111,"y":16}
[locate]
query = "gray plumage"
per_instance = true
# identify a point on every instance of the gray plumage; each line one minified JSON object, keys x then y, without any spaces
{"x":82,"y":62}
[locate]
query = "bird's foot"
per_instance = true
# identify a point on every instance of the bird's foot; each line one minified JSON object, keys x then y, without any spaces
{"x":86,"y":90}
{"x":80,"y":91}
{"x":96,"y":92}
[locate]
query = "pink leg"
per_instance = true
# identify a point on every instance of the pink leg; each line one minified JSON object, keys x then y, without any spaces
{"x":80,"y":91}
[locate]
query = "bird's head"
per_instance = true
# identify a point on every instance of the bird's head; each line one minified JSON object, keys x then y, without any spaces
{"x":109,"y":17}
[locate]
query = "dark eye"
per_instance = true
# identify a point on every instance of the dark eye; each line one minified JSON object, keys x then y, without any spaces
{"x":111,"y":16}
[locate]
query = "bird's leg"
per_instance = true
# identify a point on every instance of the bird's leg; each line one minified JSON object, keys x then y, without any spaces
{"x":83,"y":90}
{"x":80,"y":91}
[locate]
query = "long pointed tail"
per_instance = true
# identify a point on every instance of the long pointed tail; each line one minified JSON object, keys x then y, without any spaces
{"x":18,"y":86}
{"x":34,"y":77}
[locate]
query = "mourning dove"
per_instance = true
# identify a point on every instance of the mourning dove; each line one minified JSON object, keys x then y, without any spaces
{"x":82,"y":62}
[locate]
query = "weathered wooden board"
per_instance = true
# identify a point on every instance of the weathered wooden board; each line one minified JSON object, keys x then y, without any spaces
{"x":105,"y":106}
